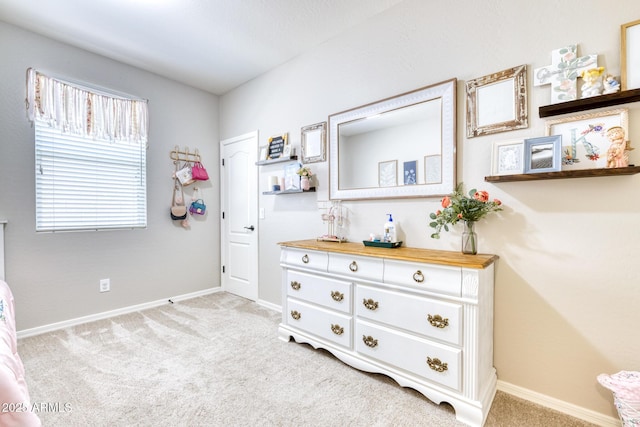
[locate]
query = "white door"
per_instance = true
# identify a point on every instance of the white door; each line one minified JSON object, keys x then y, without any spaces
{"x":239,"y":219}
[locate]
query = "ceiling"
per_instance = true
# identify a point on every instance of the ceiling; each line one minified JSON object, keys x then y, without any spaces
{"x":214,"y":45}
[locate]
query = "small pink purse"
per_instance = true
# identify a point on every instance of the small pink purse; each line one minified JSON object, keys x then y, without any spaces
{"x":198,"y":172}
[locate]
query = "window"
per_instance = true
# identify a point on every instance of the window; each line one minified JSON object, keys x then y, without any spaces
{"x":87,"y":184}
{"x":90,"y":159}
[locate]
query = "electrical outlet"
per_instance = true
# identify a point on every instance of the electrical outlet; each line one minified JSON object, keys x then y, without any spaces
{"x":105,"y":285}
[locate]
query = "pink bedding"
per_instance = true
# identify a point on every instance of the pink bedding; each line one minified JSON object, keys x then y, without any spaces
{"x":15,"y":406}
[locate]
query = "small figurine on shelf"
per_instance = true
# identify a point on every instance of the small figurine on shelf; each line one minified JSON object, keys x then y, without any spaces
{"x":617,"y":154}
{"x":611,"y":85}
{"x":592,"y":82}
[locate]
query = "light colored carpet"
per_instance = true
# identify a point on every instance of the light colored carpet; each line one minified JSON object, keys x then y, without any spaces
{"x":216,"y":361}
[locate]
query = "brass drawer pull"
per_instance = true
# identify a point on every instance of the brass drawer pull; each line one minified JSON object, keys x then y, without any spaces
{"x":296,"y":315}
{"x":418,"y":277}
{"x":369,"y":341}
{"x":305,"y":259}
{"x":436,"y":364}
{"x":370,"y":304}
{"x":437,"y":321}
{"x":353,"y":266}
{"x":337,"y":329}
{"x":295,"y":285}
{"x":337,"y":296}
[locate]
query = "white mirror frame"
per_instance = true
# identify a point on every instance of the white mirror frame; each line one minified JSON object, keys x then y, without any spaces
{"x":447,"y":92}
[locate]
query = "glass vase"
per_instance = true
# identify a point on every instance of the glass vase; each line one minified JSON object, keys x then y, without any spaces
{"x":469,"y":239}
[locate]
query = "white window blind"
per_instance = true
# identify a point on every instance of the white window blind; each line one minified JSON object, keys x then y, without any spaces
{"x":88,"y":184}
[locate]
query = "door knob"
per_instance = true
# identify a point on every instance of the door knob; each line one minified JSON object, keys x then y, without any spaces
{"x":250,"y":228}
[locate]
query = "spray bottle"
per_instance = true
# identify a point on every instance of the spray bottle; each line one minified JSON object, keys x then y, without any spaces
{"x":390,"y":230}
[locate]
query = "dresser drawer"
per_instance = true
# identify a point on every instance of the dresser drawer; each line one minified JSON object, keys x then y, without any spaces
{"x":440,"y":279}
{"x":326,"y":324}
{"x":331,"y":293}
{"x":437,"y":363}
{"x":356,"y":267}
{"x":426,"y":316}
{"x":306,"y":259}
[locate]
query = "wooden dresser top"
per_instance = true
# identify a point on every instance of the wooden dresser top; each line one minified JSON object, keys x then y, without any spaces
{"x":430,"y":256}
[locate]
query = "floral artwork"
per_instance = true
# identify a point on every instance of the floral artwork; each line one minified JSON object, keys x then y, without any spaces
{"x":410,"y":173}
{"x":433,"y":169}
{"x":508,"y":157}
{"x":585,"y":143}
{"x":387,"y":175}
{"x":566,"y":66}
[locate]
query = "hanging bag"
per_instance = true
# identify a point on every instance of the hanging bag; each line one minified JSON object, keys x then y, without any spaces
{"x":198,"y":172}
{"x":197,"y":206}
{"x":178,"y":209}
{"x":185,"y":174}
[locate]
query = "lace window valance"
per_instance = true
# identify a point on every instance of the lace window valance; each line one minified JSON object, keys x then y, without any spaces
{"x":75,"y":109}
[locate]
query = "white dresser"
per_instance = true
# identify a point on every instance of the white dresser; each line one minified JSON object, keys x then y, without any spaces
{"x":422,"y":317}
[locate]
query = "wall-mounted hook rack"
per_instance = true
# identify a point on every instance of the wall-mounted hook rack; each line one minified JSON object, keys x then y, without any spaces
{"x":184,"y":155}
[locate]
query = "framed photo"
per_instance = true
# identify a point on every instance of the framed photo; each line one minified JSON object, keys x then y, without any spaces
{"x":276,"y":146}
{"x":314,"y":143}
{"x":542,"y":154}
{"x":411,"y":172}
{"x":433,"y":169}
{"x":497,"y":102}
{"x":262,"y":154}
{"x":286,"y":152}
{"x":584,"y":137}
{"x":630,"y":55}
{"x":507,"y":157}
{"x":387,"y":173}
{"x":291,"y":177}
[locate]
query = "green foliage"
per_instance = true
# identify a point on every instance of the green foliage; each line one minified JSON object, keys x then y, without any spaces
{"x":459,"y":207}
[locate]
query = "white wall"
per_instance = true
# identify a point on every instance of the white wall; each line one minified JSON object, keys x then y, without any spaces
{"x":55,"y":276}
{"x":567,"y":280}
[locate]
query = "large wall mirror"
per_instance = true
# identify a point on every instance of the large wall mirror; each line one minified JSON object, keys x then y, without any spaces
{"x":404,"y":146}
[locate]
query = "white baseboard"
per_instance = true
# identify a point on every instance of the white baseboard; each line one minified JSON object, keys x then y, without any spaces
{"x":559,"y":405}
{"x":106,"y":314}
{"x":269,"y":305}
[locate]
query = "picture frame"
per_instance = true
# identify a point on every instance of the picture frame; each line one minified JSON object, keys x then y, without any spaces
{"x":584,"y":140}
{"x":410,"y":172}
{"x":262,"y":153}
{"x":313,"y":143}
{"x":543,"y":154}
{"x":286,"y":151}
{"x":630,"y":55}
{"x":291,"y":177}
{"x":433,"y":169}
{"x":388,"y":173}
{"x":497,"y":102}
{"x":276,"y":146}
{"x":507,"y":157}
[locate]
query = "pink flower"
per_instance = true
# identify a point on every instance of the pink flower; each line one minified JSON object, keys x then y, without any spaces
{"x":438,"y":212}
{"x":460,"y":216}
{"x":481,"y":196}
{"x":497,"y":202}
{"x":446,"y":202}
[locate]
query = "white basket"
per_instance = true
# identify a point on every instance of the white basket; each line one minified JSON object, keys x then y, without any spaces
{"x":629,"y":411}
